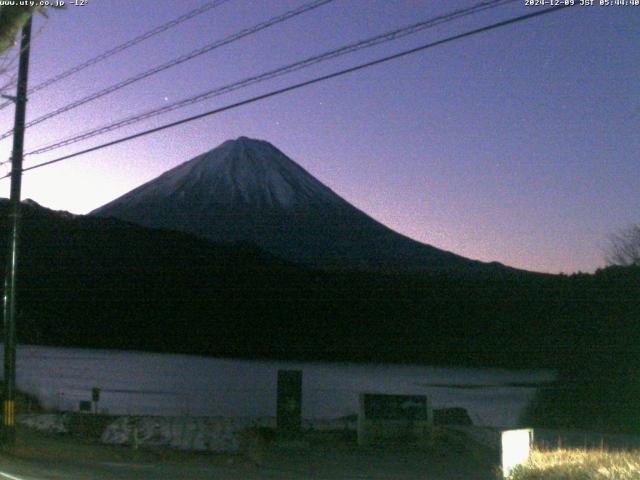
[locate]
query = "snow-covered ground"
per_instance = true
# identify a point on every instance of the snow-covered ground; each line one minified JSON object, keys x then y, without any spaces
{"x":140,"y":383}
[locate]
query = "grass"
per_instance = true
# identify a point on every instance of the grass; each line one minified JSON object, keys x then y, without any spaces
{"x":578,"y":464}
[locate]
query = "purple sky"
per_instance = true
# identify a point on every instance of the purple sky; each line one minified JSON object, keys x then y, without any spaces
{"x":519,"y":145}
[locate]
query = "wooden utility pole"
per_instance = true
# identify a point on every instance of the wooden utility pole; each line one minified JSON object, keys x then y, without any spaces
{"x":8,"y":431}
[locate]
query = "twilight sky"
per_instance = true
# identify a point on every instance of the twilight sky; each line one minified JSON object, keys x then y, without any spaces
{"x":519,"y":145}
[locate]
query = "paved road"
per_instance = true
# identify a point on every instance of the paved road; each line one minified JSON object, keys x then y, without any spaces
{"x":41,"y":470}
{"x":37,"y":456}
{"x":279,"y":464}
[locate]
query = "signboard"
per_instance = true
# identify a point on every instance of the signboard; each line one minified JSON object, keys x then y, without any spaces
{"x":395,"y":407}
{"x":384,"y":417}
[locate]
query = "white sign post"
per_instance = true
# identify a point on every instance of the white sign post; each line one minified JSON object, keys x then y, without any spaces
{"x":515,"y":447}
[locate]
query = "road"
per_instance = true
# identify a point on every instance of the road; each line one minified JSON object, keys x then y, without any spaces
{"x":14,"y":469}
{"x":283,"y":466}
{"x":38,"y":457}
{"x":33,"y":469}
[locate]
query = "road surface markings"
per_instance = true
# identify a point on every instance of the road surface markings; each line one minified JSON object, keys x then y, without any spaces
{"x":10,"y":477}
{"x":128,"y":465}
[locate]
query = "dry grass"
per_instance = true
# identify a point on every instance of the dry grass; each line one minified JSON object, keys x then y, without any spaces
{"x":579,"y":465}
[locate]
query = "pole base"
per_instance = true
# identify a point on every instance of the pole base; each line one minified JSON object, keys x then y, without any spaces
{"x":7,"y":435}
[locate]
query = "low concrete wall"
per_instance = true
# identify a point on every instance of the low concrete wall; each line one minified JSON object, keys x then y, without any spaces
{"x":214,"y":434}
{"x":45,"y":422}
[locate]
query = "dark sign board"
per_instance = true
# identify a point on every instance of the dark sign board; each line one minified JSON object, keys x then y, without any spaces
{"x":395,"y":407}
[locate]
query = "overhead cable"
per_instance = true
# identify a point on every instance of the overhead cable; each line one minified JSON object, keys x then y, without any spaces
{"x":177,"y":61}
{"x":297,"y":86}
{"x":123,"y":46}
{"x":305,"y":63}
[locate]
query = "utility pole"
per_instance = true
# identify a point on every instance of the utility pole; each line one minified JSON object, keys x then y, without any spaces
{"x":8,"y":431}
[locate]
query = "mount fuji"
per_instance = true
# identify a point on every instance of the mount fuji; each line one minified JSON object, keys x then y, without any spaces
{"x":248,"y":191}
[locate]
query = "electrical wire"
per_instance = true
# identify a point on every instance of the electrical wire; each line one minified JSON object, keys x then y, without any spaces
{"x":177,"y":61}
{"x":297,"y":86}
{"x":305,"y":63}
{"x":123,"y":46}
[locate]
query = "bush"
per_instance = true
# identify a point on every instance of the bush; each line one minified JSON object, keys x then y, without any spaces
{"x":579,"y":465}
{"x":603,"y":396}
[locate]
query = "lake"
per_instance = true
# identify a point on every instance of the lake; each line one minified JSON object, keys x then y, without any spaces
{"x":167,"y":384}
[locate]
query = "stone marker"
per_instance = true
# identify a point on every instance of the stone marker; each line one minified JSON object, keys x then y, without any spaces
{"x":289,"y":404}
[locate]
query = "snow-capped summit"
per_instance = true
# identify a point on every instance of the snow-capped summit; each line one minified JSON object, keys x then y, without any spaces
{"x":242,"y":172}
{"x":247,"y":190}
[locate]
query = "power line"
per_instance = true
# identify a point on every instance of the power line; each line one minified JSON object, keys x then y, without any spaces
{"x":300,"y":85}
{"x":307,"y":62}
{"x":183,"y":58}
{"x":124,"y":46}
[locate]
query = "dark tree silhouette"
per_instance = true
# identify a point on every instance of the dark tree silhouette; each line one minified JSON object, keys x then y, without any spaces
{"x":624,"y":247}
{"x":12,"y":19}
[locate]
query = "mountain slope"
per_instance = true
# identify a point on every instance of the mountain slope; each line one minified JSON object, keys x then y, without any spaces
{"x":249,"y":191}
{"x":94,"y":282}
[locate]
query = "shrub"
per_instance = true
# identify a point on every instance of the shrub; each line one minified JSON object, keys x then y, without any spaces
{"x":579,"y":464}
